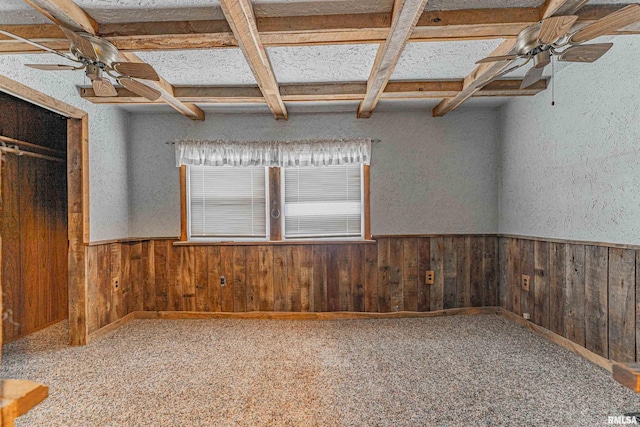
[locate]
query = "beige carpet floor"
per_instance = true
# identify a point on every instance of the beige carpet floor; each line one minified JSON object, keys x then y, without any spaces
{"x":449,"y":371}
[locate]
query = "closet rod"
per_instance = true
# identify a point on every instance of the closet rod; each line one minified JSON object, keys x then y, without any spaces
{"x":28,"y":144}
{"x":17,"y":151}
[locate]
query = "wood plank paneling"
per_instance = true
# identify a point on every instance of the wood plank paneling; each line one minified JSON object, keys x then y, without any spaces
{"x":226,"y":271}
{"x":491,"y":272}
{"x":239,"y":279}
{"x":503,"y":263}
{"x":557,"y":283}
{"x":384,"y":262}
{"x":424,"y":265}
{"x":514,"y":276}
{"x":253,"y":278}
{"x":265,"y":255}
{"x":527,"y":267}
{"x":436,"y":291}
{"x":357,"y":277}
{"x":574,"y":295}
{"x":293,"y":279}
{"x":213,"y":277}
{"x":410,"y":275}
{"x":596,"y":299}
{"x":476,"y":273}
{"x":345,"y":300}
{"x":160,"y":267}
{"x":30,"y":307}
{"x":280,"y":278}
{"x":584,"y":292}
{"x":541,"y":284}
{"x":299,"y":278}
{"x":450,"y":296}
{"x":306,"y":277}
{"x":463,"y":273}
{"x":201,"y":266}
{"x":371,"y":278}
{"x":622,"y":317}
{"x":319,"y":278}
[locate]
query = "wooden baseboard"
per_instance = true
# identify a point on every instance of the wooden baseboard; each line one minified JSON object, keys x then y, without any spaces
{"x":111,"y":327}
{"x":592,"y":357}
{"x":336,"y":315}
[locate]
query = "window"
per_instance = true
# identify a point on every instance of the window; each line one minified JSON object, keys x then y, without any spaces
{"x":227,"y":202}
{"x":323,"y":202}
{"x":259,"y":203}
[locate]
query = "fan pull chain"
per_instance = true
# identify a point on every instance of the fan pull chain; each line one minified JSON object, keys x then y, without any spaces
{"x":553,"y":82}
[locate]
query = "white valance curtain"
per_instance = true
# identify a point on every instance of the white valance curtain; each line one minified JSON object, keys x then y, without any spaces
{"x":321,"y":152}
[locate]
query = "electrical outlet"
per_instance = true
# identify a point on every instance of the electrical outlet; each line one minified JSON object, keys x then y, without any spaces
{"x":429,"y":279}
{"x":223,"y":280}
{"x":526,"y":280}
{"x":115,"y":285}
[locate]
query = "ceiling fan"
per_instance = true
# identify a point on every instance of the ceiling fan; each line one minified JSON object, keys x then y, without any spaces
{"x":551,"y":37}
{"x":98,"y":57}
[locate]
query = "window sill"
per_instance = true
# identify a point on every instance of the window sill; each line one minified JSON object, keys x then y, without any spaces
{"x":277,"y":243}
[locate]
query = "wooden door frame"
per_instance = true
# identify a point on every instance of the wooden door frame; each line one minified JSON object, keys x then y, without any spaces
{"x":78,"y":202}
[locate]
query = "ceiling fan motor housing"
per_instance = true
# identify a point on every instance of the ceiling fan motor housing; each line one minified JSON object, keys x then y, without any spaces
{"x":105,"y":51}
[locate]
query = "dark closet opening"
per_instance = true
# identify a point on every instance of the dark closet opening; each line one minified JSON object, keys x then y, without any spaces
{"x":33,"y":218}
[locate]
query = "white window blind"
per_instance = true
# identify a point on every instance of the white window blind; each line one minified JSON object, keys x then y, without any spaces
{"x":323,"y":201}
{"x":227,"y":202}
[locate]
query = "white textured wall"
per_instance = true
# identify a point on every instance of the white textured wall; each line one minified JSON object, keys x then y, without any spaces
{"x":573,"y":171}
{"x":108,"y":180}
{"x":427,"y":176}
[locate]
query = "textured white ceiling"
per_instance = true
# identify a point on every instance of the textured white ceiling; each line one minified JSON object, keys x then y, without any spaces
{"x":308,"y":64}
{"x":441,"y":60}
{"x":110,"y":11}
{"x":300,"y":64}
{"x":201,"y":67}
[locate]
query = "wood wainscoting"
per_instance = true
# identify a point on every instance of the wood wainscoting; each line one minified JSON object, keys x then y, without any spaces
{"x":383,"y":276}
{"x":584,"y":292}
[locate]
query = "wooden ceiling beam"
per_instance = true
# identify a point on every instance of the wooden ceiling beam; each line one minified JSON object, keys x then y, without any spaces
{"x":239,"y":14}
{"x":476,"y":80}
{"x":405,"y":17}
{"x":452,"y":25}
{"x":66,"y":13}
{"x":484,"y":73}
{"x":321,"y":92}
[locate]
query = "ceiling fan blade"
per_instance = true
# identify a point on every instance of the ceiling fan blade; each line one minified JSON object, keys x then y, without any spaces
{"x":83,"y":45}
{"x":533,"y":75}
{"x":38,"y":45}
{"x":138,"y":70}
{"x":497,"y":59}
{"x":585,"y":53}
{"x":555,"y":27}
{"x":610,"y":23}
{"x":103,"y":87}
{"x":140,"y":88}
{"x":52,"y":67}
